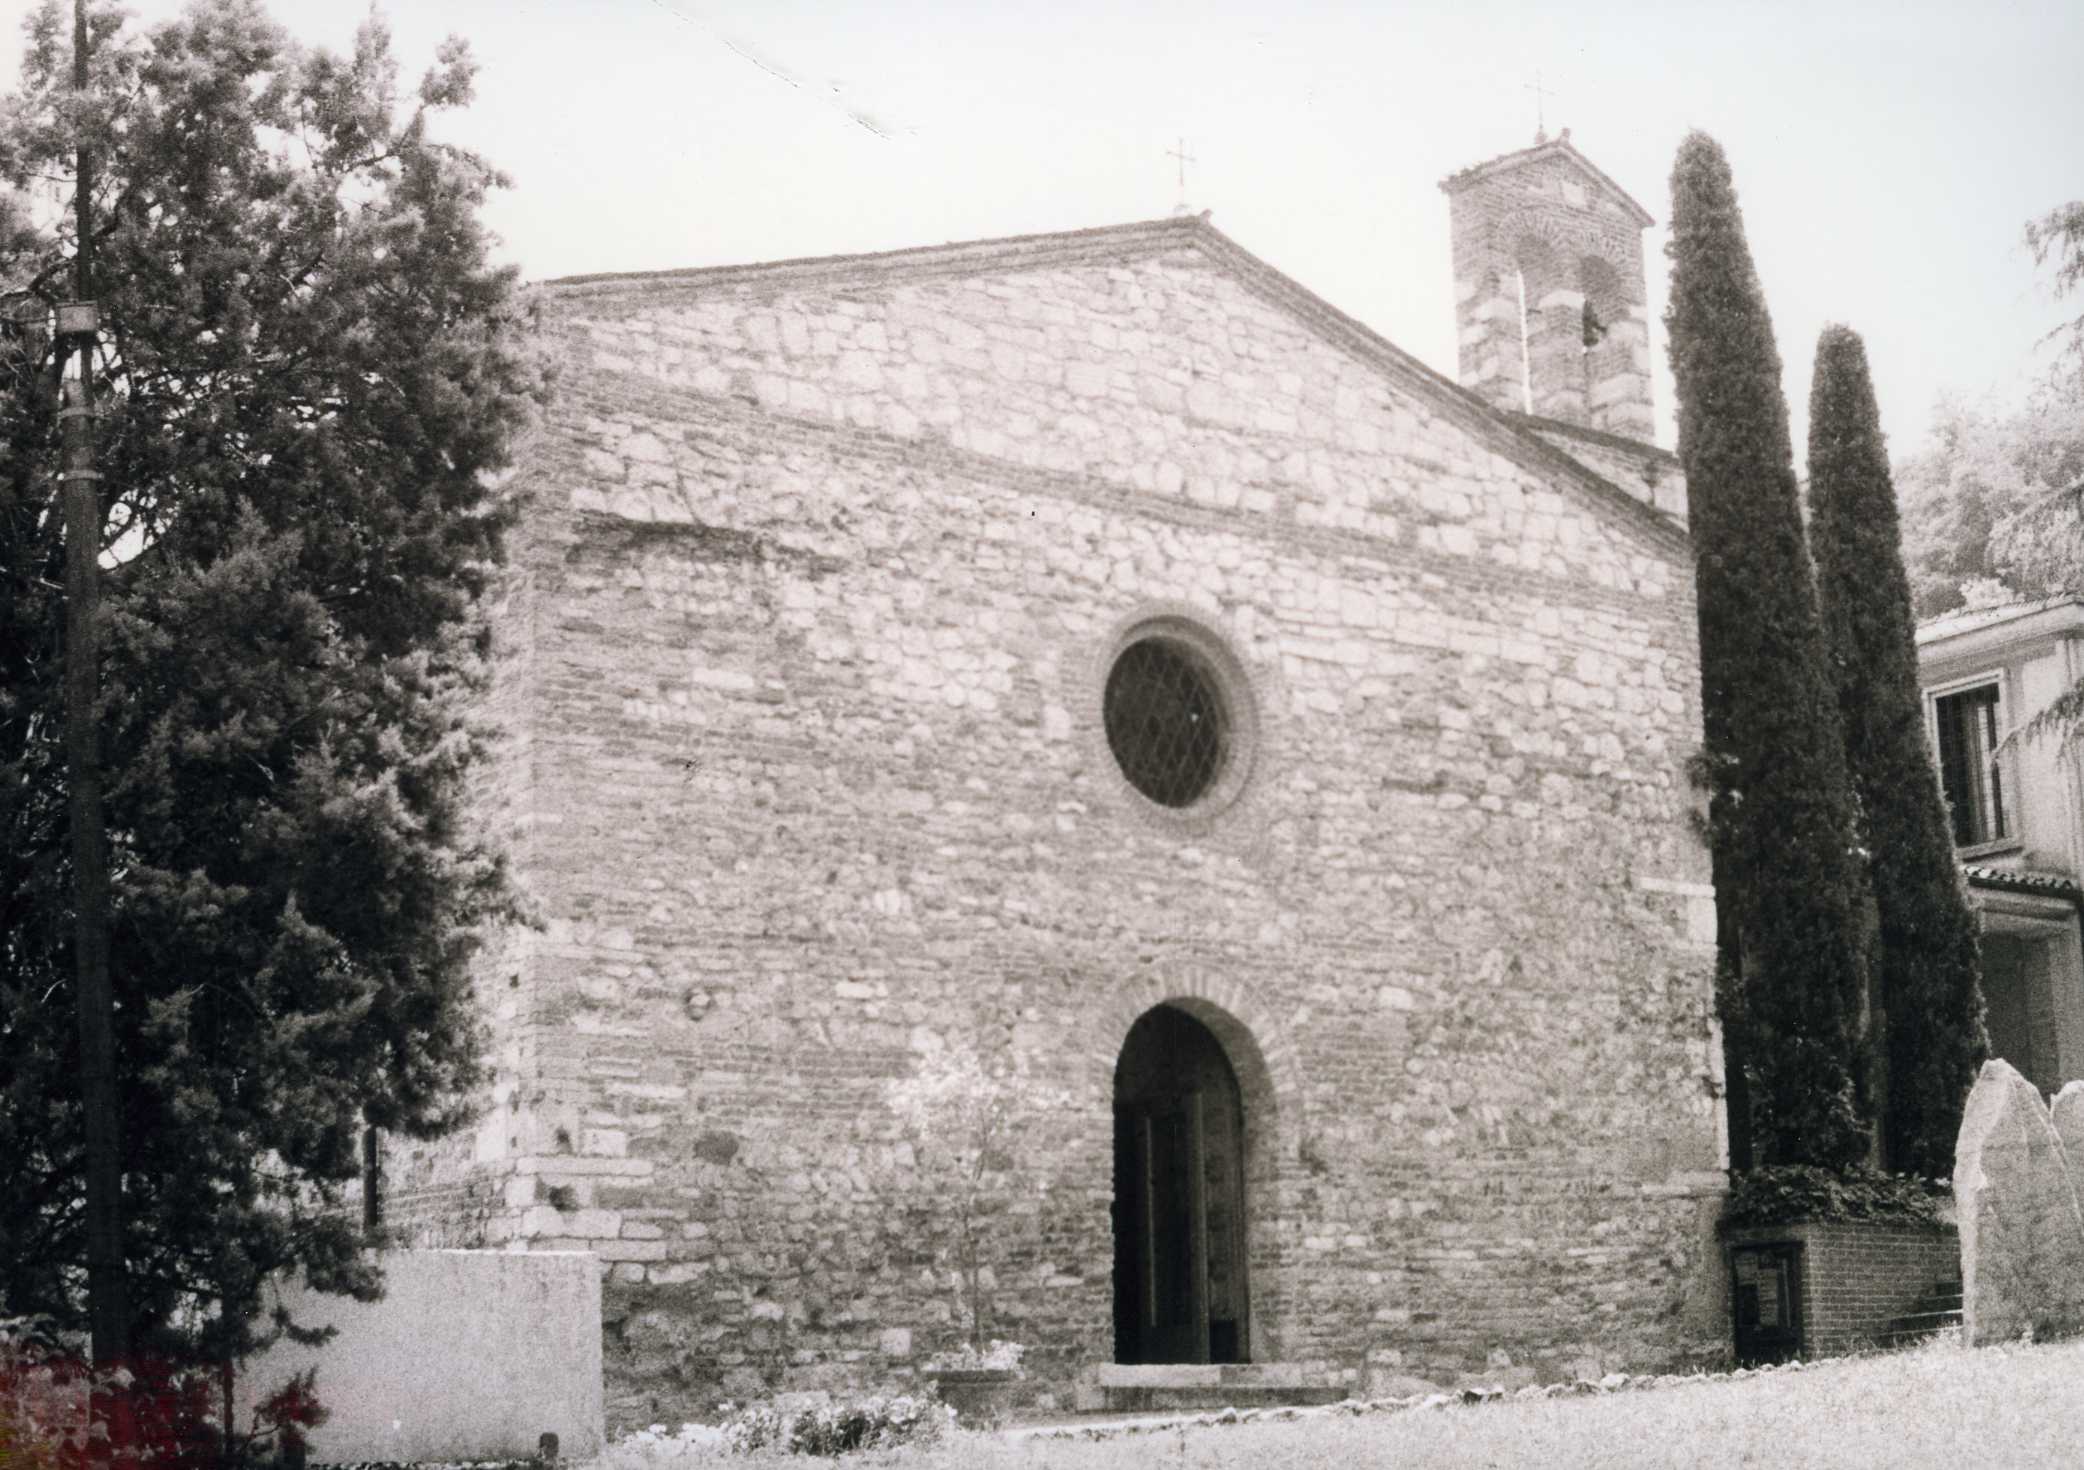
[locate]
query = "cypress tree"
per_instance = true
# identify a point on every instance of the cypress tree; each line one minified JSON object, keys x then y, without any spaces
{"x":1929,"y":951}
{"x":1792,"y":976}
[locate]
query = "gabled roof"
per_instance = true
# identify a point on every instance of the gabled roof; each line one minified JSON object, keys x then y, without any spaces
{"x":1559,"y":147}
{"x":1117,"y":243}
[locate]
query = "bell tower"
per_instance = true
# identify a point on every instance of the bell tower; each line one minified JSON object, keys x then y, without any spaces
{"x":1549,"y":288}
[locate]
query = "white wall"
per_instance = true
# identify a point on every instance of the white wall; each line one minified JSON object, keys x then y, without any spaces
{"x":470,"y":1356}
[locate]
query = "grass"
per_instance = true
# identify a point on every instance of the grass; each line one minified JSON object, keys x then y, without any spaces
{"x":1940,"y":1405}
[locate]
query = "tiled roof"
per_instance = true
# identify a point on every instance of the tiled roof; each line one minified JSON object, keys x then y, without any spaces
{"x":2053,"y":883}
{"x":1966,"y":619}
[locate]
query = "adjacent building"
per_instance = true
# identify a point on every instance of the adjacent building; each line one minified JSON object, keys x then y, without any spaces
{"x":2017,"y":806}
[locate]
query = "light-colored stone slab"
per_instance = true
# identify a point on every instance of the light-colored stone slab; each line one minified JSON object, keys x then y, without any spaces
{"x":1159,"y":1375}
{"x":471,"y":1355}
{"x":2022,"y":1238}
{"x":2067,"y":1114}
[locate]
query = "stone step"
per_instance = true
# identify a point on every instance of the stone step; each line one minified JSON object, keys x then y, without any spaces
{"x":1188,"y":1387}
{"x":1196,"y":1399}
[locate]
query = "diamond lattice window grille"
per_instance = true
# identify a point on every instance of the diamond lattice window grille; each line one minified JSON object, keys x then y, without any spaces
{"x":1165,"y":721}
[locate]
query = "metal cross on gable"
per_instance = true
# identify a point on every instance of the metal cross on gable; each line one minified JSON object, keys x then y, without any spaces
{"x":1541,"y":126}
{"x":1183,"y":157}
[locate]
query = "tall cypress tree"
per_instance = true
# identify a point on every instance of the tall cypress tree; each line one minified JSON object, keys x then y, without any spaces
{"x":1929,"y":953}
{"x":1780,"y":806}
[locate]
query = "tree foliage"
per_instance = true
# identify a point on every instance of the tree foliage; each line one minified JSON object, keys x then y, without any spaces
{"x":1994,"y":507}
{"x":312,"y":375}
{"x":1928,"y":955}
{"x":1791,"y":977}
{"x":1989,"y":509}
{"x":2058,"y":235}
{"x":1786,"y":1193}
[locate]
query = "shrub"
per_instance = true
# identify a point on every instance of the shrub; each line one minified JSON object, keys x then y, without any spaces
{"x":837,"y":1428}
{"x":1784,"y":1193}
{"x":643,"y":1449}
{"x":45,"y":1384}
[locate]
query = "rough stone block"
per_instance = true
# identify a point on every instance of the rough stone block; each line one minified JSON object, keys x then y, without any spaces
{"x":2022,"y":1238}
{"x":2067,"y":1114}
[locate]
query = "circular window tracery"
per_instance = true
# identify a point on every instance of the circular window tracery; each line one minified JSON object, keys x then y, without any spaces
{"x":1167,"y":721}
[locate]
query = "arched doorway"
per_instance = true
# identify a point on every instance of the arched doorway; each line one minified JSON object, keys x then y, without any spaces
{"x":1180,"y":1293}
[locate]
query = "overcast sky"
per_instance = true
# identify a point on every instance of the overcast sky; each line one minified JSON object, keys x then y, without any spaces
{"x":1887,"y":154}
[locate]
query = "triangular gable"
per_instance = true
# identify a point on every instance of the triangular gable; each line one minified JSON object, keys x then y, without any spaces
{"x":1561,"y":148}
{"x":1122,"y":243}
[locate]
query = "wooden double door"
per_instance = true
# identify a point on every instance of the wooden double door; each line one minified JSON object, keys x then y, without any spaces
{"x":1179,"y":1257}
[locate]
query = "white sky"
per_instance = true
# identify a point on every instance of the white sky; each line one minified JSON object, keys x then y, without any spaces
{"x":1887,"y":154}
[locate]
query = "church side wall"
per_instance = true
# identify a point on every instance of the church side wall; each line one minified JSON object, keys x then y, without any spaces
{"x":823,"y":800}
{"x":462,"y":1191}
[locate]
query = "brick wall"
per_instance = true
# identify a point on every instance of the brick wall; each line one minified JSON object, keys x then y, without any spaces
{"x":820,"y":588}
{"x":1857,"y":1276}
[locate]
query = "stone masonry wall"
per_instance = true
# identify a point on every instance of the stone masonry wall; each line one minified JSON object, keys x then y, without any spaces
{"x":1650,"y":474}
{"x":825,"y":573}
{"x":1536,"y":240}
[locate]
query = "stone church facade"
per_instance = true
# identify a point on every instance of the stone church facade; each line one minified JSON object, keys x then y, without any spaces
{"x":1093,"y":654}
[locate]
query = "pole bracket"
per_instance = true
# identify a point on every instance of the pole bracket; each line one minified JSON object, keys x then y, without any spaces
{"x":78,"y":319}
{"x":64,"y":475}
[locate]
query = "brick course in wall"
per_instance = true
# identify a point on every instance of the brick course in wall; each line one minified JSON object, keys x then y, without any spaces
{"x":1856,"y":1277}
{"x":813,"y":610}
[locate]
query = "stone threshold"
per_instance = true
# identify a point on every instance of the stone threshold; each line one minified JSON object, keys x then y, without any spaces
{"x":1214,"y":1375}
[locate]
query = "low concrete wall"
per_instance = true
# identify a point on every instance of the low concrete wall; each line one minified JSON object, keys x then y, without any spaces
{"x":471,"y":1355}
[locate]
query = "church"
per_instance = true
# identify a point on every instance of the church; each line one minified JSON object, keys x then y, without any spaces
{"x":1093,"y":662}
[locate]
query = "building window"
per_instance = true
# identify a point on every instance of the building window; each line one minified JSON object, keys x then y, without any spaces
{"x":1167,"y":722}
{"x":1969,"y":772}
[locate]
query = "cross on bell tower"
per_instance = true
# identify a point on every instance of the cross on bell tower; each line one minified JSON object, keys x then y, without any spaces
{"x":1541,"y":93}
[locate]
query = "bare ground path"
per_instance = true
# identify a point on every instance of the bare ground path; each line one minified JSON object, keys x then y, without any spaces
{"x":1940,"y":1406}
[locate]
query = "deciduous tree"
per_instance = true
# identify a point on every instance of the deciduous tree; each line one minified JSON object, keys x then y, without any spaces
{"x":1989,"y":513}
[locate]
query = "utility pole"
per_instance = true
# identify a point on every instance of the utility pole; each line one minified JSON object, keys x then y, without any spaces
{"x":108,"y":1305}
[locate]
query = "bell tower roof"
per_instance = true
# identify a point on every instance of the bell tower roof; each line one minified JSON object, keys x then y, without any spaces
{"x":1544,"y":149}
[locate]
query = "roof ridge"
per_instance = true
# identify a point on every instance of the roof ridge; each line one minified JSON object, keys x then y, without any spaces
{"x":952,"y":250}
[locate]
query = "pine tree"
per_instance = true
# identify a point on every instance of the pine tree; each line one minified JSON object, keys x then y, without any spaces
{"x":312,"y":374}
{"x":1928,"y":955}
{"x":1780,"y":808}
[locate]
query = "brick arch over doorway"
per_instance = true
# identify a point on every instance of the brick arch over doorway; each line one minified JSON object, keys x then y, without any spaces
{"x":1271,"y":1093}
